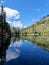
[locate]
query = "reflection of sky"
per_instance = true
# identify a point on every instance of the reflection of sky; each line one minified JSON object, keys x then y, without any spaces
{"x":13,"y":51}
{"x":27,"y":53}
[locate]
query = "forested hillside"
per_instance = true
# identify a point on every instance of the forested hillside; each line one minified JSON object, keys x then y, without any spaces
{"x":40,"y":32}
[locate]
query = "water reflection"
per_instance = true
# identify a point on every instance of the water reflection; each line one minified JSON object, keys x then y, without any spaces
{"x":4,"y":43}
{"x":15,"y":38}
{"x":12,"y":54}
{"x":13,"y":50}
{"x":23,"y":52}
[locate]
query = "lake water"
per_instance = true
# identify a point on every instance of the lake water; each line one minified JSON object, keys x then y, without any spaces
{"x":24,"y":52}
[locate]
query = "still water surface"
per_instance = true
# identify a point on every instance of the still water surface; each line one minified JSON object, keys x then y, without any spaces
{"x":24,"y":52}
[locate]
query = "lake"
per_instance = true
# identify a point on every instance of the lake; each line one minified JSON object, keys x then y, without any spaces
{"x":23,"y":52}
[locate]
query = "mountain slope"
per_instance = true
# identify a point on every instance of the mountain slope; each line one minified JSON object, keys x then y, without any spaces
{"x":41,"y":26}
{"x":40,"y":32}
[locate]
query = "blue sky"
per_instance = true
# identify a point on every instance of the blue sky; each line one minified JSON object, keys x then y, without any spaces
{"x":28,"y":11}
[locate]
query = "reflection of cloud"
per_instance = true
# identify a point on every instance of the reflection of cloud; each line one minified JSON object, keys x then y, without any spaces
{"x":12,"y":54}
{"x":17,"y":44}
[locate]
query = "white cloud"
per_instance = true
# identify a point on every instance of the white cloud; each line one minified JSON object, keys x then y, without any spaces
{"x":17,"y":24}
{"x":24,"y":26}
{"x":12,"y":16}
{"x":33,"y":19}
{"x":18,"y":16}
{"x":38,"y":10}
{"x":9,"y":21}
{"x":11,"y":13}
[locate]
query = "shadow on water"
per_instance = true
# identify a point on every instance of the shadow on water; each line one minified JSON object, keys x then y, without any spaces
{"x":4,"y":43}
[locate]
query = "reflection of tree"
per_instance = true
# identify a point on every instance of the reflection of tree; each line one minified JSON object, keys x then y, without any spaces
{"x":15,"y":38}
{"x":4,"y":35}
{"x":4,"y":43}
